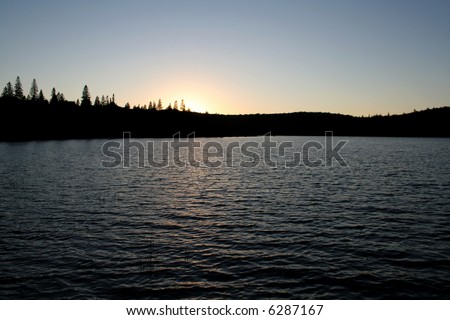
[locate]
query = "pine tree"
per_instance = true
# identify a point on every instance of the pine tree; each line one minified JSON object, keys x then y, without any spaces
{"x":18,"y":90}
{"x":34,"y":91}
{"x":159,"y":106}
{"x":41,"y":96}
{"x":8,"y":91}
{"x":60,"y":97}
{"x":183,"y":106}
{"x":53,"y":97}
{"x":86,"y":97}
{"x":175,"y":105}
{"x":97,"y":102}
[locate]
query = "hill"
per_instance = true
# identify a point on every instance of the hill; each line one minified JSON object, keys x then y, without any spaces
{"x":22,"y":119}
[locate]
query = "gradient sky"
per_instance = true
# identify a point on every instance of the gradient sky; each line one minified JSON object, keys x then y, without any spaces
{"x":249,"y":56}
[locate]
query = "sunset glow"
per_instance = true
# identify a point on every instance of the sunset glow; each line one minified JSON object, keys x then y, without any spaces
{"x":233,"y":57}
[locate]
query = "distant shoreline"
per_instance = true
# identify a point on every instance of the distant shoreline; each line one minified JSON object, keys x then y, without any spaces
{"x":25,"y":120}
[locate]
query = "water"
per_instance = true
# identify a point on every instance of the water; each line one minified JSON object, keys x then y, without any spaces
{"x":377,"y":229}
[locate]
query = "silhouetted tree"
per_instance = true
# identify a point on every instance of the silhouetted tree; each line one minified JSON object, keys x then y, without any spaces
{"x":60,"y":97}
{"x":159,"y":106}
{"x":97,"y":102}
{"x":113,"y":100}
{"x":8,"y":91}
{"x":53,"y":97}
{"x":169,"y":107}
{"x":34,"y":91}
{"x":41,"y":97}
{"x":183,"y":106}
{"x":103,"y":101}
{"x":86,"y":97}
{"x":78,"y":102}
{"x":127,"y":105}
{"x":175,"y":105}
{"x":18,"y":90}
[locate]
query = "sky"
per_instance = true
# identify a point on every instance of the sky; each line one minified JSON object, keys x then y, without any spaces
{"x":360,"y":57}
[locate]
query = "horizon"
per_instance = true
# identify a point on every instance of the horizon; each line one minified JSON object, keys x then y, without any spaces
{"x":110,"y":100}
{"x":352,"y":58}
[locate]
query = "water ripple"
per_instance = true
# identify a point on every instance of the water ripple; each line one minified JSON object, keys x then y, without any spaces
{"x":73,"y":230}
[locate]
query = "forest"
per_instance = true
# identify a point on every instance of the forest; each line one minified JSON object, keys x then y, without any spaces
{"x":33,"y":117}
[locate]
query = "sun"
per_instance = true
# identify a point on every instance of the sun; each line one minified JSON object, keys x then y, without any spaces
{"x":195,"y":106}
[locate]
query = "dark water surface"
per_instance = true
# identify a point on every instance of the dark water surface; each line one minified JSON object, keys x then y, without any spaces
{"x":379,"y":228}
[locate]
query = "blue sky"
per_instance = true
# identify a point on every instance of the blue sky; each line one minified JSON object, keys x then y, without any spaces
{"x":353,"y":57}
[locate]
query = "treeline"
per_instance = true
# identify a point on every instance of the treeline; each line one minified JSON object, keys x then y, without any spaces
{"x":36,"y":118}
{"x":11,"y":92}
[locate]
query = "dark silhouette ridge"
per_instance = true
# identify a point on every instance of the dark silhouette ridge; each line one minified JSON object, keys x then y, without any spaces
{"x":34,"y":118}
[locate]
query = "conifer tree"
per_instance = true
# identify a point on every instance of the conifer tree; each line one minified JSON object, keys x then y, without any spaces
{"x":18,"y":90}
{"x":34,"y":91}
{"x":60,"y":97}
{"x":41,"y":96}
{"x":8,"y":91}
{"x":86,"y":97}
{"x":159,"y":107}
{"x":53,"y":97}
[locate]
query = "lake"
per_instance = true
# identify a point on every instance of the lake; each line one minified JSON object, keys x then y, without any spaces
{"x":75,"y":227}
